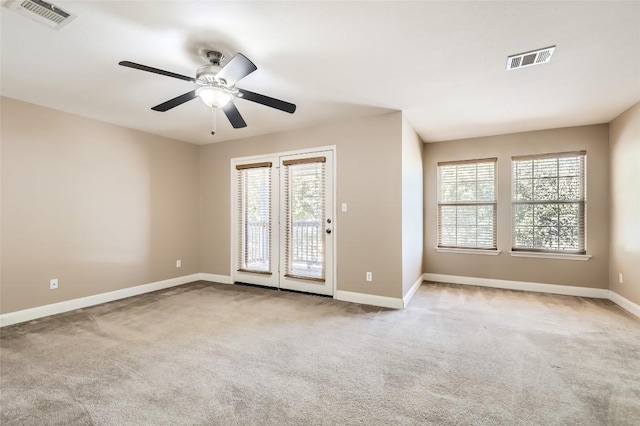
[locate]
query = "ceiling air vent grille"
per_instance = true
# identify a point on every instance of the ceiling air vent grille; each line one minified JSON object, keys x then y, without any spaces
{"x":527,"y":59}
{"x":43,"y":12}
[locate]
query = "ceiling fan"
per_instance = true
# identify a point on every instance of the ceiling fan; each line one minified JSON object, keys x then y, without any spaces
{"x":218,"y":87}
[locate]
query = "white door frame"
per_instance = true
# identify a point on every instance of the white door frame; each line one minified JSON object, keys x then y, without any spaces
{"x":233,"y":206}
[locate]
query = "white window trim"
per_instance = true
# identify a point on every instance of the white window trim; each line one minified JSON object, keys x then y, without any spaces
{"x":546,"y":255}
{"x":486,"y":252}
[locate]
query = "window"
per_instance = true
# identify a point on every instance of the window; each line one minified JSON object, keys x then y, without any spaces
{"x":549,"y":203}
{"x":467,"y":204}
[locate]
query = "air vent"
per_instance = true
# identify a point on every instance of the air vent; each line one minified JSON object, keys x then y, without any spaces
{"x":527,"y":59}
{"x":43,"y":12}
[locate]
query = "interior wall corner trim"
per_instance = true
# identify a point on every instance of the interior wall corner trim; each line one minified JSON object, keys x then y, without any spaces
{"x":96,"y":299}
{"x":412,"y":291}
{"x":624,"y":303}
{"x":370,"y":299}
{"x":566,"y":290}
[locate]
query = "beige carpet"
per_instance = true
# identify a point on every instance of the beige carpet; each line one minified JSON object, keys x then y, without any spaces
{"x":216,"y":354}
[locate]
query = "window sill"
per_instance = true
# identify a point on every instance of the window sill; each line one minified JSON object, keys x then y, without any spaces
{"x":557,"y":256}
{"x":468,"y":251}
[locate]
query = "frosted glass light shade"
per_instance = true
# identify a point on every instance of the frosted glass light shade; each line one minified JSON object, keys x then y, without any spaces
{"x":214,"y":97}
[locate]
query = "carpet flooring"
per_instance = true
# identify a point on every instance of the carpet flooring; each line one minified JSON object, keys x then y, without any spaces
{"x":214,"y":354}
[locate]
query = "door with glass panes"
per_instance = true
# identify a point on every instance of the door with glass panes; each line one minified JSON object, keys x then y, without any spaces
{"x":283,"y":222}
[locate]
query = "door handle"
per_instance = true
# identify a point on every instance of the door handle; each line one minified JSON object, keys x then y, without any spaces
{"x":328,"y":230}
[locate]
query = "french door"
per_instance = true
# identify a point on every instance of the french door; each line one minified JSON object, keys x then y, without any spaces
{"x":283,"y":221}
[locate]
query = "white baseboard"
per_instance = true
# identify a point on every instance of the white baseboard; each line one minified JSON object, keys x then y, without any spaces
{"x":595,"y":293}
{"x":370,"y":299}
{"x":346,"y":296}
{"x":222,"y":279}
{"x":624,"y":303}
{"x":407,"y":297}
{"x":97,"y":299}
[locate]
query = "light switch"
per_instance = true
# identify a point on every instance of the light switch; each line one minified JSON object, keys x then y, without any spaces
{"x":344,"y":207}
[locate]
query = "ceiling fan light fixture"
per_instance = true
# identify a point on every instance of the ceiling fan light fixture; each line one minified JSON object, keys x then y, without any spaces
{"x":214,"y":97}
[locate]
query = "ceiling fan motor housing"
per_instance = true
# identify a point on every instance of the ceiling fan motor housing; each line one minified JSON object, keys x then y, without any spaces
{"x":206,"y":75}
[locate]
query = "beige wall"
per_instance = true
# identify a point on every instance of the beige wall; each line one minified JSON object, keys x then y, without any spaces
{"x":592,"y":273}
{"x":97,"y":206}
{"x":412,"y":207}
{"x":103,"y":208}
{"x":624,"y":249}
{"x":368,"y":235}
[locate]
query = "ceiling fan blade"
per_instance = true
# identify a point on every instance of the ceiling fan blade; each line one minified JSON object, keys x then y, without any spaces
{"x":155,"y":71}
{"x":234,"y":116}
{"x":172,"y":103}
{"x":236,"y":69}
{"x":268,"y":101}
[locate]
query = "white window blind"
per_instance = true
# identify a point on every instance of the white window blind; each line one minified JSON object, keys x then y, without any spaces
{"x":548,"y":202}
{"x":304,"y":191}
{"x":467,"y":204}
{"x":254,"y":218}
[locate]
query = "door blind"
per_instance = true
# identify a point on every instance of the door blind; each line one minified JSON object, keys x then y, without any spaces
{"x":305,"y":202}
{"x":254,"y":239}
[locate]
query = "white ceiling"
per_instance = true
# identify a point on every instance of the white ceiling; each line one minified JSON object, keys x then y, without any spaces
{"x":442,"y":63}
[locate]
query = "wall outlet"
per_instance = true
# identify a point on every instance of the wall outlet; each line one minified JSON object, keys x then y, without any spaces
{"x":178,"y":263}
{"x":369,"y":276}
{"x":620,"y":280}
{"x":53,"y":284}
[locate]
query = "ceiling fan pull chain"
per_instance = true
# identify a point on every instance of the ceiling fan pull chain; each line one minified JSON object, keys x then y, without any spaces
{"x":213,"y":121}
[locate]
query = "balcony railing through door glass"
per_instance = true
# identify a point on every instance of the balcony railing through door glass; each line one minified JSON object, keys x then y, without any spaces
{"x":306,"y":246}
